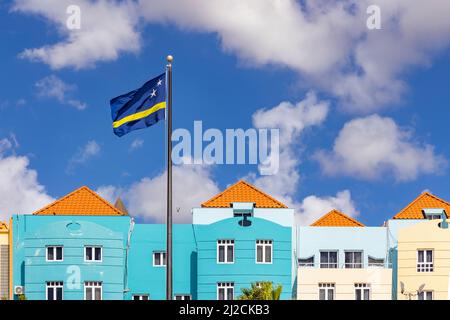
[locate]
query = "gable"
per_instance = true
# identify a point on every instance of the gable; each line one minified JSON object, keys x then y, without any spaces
{"x":82,"y":201}
{"x":425,"y":201}
{"x":242,"y":191}
{"x":335,"y":218}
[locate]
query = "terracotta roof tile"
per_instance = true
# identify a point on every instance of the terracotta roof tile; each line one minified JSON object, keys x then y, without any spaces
{"x":242,"y":191}
{"x":425,"y":201}
{"x":335,"y":218}
{"x":3,"y":226}
{"x":83,"y":202}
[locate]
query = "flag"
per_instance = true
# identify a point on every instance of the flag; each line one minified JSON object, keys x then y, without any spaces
{"x":139,"y":108}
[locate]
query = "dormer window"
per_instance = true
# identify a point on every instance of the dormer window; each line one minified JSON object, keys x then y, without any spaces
{"x":242,"y":209}
{"x":433,"y":213}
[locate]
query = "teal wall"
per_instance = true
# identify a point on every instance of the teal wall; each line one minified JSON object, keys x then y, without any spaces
{"x":31,"y":235}
{"x":144,"y":278}
{"x":127,"y":266}
{"x":244,"y":270}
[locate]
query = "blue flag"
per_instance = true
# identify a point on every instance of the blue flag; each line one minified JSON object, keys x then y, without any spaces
{"x":139,"y":108}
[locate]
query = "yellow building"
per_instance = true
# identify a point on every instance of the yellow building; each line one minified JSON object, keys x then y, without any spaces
{"x":4,"y":261}
{"x":424,"y":260}
{"x":422,"y":244}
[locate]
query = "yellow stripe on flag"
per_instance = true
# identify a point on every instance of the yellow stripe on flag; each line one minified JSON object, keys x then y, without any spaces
{"x":139,"y":115}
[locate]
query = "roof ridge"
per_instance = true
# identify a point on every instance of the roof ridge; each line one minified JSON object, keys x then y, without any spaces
{"x":419,"y":197}
{"x":72,"y":193}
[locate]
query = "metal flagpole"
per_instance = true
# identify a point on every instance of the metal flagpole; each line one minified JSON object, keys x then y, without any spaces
{"x":169,"y":180}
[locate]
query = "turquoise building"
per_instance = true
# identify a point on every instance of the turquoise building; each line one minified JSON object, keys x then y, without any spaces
{"x":82,"y":247}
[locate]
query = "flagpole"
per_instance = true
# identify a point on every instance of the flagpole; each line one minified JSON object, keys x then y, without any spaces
{"x":169,"y":294}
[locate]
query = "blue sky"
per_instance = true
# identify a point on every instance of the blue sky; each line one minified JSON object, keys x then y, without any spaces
{"x":65,"y":136}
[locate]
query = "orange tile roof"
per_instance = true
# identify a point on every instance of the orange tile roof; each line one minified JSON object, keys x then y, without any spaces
{"x":335,"y":218}
{"x":3,"y":227}
{"x":81,"y":202}
{"x":242,"y":191}
{"x":425,"y":201}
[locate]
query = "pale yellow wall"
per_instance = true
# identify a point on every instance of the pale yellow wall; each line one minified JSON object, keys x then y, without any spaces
{"x":424,"y":235}
{"x":308,"y":281}
{"x":4,"y":238}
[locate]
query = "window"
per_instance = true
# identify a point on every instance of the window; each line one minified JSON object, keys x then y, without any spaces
{"x":373,"y":262}
{"x":328,"y":259}
{"x":92,"y":290}
{"x":159,"y":259}
{"x":93,"y":253}
{"x":263,"y":251}
{"x":424,"y":260}
{"x":307,"y":262}
{"x":433,"y":216}
{"x":54,"y":290}
{"x":225,"y":291}
{"x":225,"y":251}
{"x":353,"y":259}
{"x":182,"y":297}
{"x":326,"y":291}
{"x":54,"y":253}
{"x":425,"y":295}
{"x":140,"y":297}
{"x":362,"y":291}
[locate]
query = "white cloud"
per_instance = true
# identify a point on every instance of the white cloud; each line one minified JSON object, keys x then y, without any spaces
{"x":326,"y":42}
{"x":293,"y":120}
{"x":314,"y":207}
{"x":19,"y":187}
{"x":375,"y":147}
{"x":192,"y":185}
{"x":136,"y":144}
{"x":108,"y":28}
{"x":84,"y":153}
{"x":53,"y":87}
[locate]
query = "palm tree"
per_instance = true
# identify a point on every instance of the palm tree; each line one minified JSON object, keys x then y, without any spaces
{"x":261,"y":291}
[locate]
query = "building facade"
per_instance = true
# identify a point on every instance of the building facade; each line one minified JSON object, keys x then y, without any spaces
{"x":82,"y":247}
{"x":4,"y":261}
{"x":341,"y":259}
{"x":419,"y":243}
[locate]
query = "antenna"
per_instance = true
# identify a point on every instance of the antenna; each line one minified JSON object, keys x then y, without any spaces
{"x":421,"y":288}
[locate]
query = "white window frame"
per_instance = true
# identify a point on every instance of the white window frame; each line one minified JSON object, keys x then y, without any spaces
{"x":162,"y":259}
{"x":327,"y":286}
{"x":375,"y":264}
{"x":140,"y":297}
{"x":329,"y":263}
{"x":182,"y":296}
{"x":53,"y":247}
{"x":354,"y":265}
{"x":54,"y":285}
{"x":306,"y":265}
{"x":92,"y":285}
{"x":264,"y":244}
{"x":225,"y":243}
{"x":425,"y":295}
{"x":93,"y":247}
{"x":225,"y":286}
{"x":363,"y":287}
{"x":425,"y":266}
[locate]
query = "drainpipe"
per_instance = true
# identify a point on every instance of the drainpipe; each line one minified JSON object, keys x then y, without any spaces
{"x":125,"y":280}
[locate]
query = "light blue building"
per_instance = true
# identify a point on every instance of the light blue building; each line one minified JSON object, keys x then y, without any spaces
{"x":341,"y":259}
{"x":82,"y":247}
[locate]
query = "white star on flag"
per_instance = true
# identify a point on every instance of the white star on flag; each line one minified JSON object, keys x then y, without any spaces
{"x":159,"y":82}
{"x":153,"y":93}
